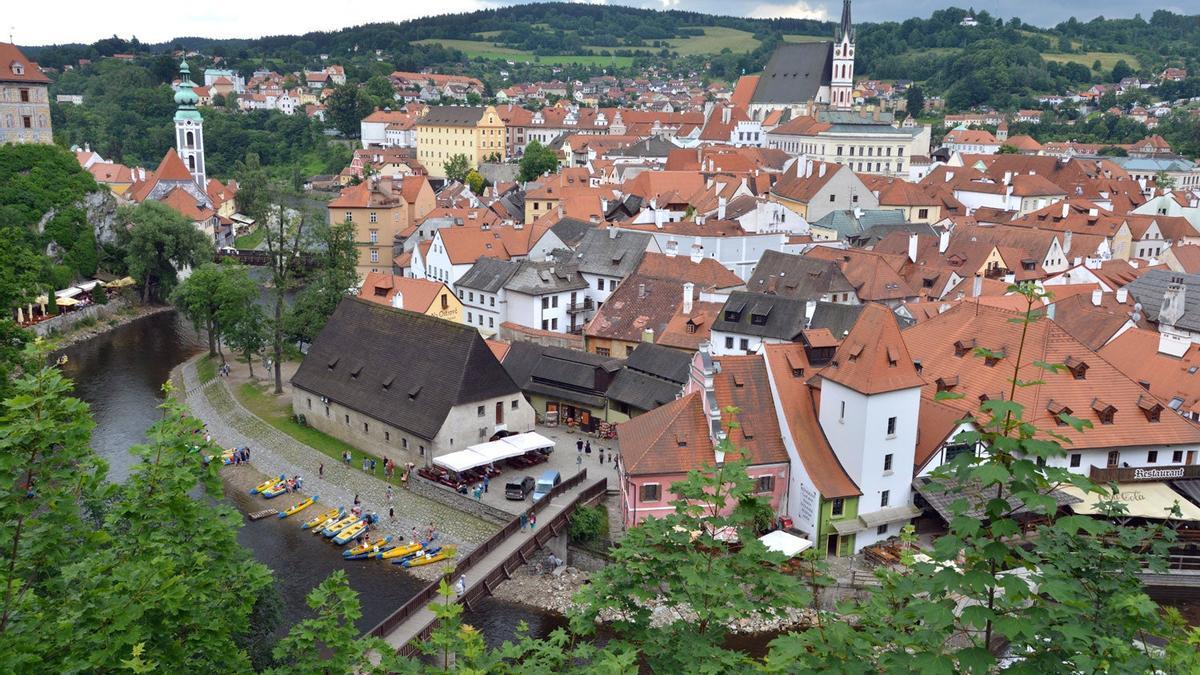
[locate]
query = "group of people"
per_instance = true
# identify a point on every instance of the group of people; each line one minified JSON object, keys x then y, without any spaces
{"x":293,"y":484}
{"x":585,"y":448}
{"x":529,"y":518}
{"x":223,"y":370}
{"x":241,"y":455}
{"x":431,"y":534}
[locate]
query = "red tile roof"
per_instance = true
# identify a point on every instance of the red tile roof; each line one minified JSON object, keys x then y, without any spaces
{"x":669,"y":439}
{"x":10,"y":56}
{"x":873,"y":358}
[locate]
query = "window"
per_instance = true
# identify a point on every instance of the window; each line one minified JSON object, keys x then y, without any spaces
{"x":554,"y":324}
{"x":27,"y":122}
{"x":469,"y":319}
{"x":492,"y":301}
{"x":922,"y":213}
{"x":374,"y":255}
{"x":421,"y":450}
{"x":387,"y":436}
{"x":842,"y":414}
{"x":327,"y":411}
{"x":515,"y":403}
{"x":744,"y":344}
{"x":545,"y":324}
{"x":1177,"y":457}
{"x":347,"y":419}
{"x":602,"y":351}
{"x":887,"y":462}
{"x":1076,"y":458}
{"x":445,"y":302}
{"x":479,"y":411}
{"x":545,"y":302}
{"x":374,"y":217}
{"x":891,"y":427}
{"x":24,"y":96}
{"x":483,"y":432}
{"x":882,"y":529}
{"x":599,"y":284}
{"x":651,"y":492}
{"x":729,"y":343}
{"x":1152,"y":457}
{"x":366,"y":428}
{"x":838,"y":507}
{"x":832,"y":198}
{"x":310,"y":404}
{"x":491,"y":322}
{"x":404,"y":443}
{"x":884,"y":498}
{"x":612,"y":284}
{"x":1114,"y":458}
{"x":764,"y":484}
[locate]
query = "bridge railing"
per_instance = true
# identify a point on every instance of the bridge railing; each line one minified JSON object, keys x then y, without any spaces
{"x":430,"y":591}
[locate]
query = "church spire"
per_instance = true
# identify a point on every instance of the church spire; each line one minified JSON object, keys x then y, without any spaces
{"x":189,"y":127}
{"x":846,"y":30}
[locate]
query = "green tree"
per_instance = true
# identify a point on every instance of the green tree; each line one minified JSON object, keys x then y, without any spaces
{"x":246,"y":332}
{"x":346,"y":107}
{"x":253,"y":197}
{"x":1163,"y":181}
{"x":328,"y":642}
{"x":285,"y":239}
{"x":457,"y":167}
{"x":915,"y":101}
{"x":476,"y":181}
{"x":538,"y":160}
{"x":199,"y":299}
{"x":380,"y":89}
{"x":218,"y":100}
{"x":159,"y":243}
{"x":334,"y":278}
{"x":1120,"y":71}
{"x":681,"y":565}
{"x":1008,"y":149}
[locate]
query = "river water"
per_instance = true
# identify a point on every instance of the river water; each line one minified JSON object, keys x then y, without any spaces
{"x":120,"y":374}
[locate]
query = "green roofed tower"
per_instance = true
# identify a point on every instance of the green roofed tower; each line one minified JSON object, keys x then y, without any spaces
{"x":189,"y":127}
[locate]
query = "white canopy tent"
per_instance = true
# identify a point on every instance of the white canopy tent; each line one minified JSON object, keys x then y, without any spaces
{"x":783,"y":542}
{"x":493,"y":451}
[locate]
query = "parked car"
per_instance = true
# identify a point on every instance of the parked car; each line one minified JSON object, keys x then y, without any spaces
{"x":519,"y":490}
{"x":545,"y":484}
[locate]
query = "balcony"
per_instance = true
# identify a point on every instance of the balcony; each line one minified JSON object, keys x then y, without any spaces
{"x":581,"y":306}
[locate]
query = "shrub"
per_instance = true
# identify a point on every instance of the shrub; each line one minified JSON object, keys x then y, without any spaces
{"x":587,"y":523}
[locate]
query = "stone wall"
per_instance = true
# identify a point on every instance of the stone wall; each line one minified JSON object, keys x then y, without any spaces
{"x":62,"y":322}
{"x":441,"y":493}
{"x":586,"y":559}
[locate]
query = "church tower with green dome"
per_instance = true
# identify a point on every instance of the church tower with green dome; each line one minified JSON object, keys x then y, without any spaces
{"x":189,"y":127}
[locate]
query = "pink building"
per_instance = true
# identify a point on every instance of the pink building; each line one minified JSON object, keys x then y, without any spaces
{"x":661,"y":446}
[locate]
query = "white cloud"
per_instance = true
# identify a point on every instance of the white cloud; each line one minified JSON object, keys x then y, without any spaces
{"x":668,"y":4}
{"x":795,"y":10}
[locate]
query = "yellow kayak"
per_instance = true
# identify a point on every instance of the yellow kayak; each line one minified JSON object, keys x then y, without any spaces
{"x":300,"y":506}
{"x":264,"y":486}
{"x":319,"y":521}
{"x":368,"y":547}
{"x":400,"y":551}
{"x":330,"y":530}
{"x":420,"y":560}
{"x":350,"y":532}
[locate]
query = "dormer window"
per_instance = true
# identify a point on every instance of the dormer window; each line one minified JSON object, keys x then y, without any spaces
{"x":961,"y":347}
{"x":991,"y":396}
{"x":1078,"y":368}
{"x":855,"y":351}
{"x":758,"y":319}
{"x":18,"y":68}
{"x":947,"y":383}
{"x":1104,"y":411}
{"x":1058,"y":410}
{"x":892,"y":357}
{"x":732,"y":316}
{"x":1151,"y":408}
{"x":993,"y":358}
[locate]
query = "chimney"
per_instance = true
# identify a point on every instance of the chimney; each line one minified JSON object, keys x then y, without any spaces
{"x":641,"y":291}
{"x":658,"y":218}
{"x":949,"y":176}
{"x":1066,"y":208}
{"x":1007,"y":177}
{"x":697,"y":252}
{"x":912,"y":248}
{"x":687,"y":297}
{"x":721,"y":203}
{"x":604,"y":206}
{"x":1066,"y":242}
{"x":594,"y":219}
{"x":808,"y":167}
{"x":1093,"y":212}
{"x":672,"y":248}
{"x":821,"y":170}
{"x":725,"y":114}
{"x":398,"y":300}
{"x":648,"y":335}
{"x":1172,"y":304}
{"x":1050,"y":311}
{"x":1122,"y":295}
{"x":1097,"y":296}
{"x":977,"y":286}
{"x":612,"y":232}
{"x":943,"y":241}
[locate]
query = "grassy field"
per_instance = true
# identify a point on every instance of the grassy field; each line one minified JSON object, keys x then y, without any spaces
{"x":807,"y":38}
{"x":206,"y":369}
{"x":278,"y":413}
{"x":251,"y":240}
{"x":715,"y":39}
{"x":1107,"y":59}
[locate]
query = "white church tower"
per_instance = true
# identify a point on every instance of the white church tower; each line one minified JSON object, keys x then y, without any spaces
{"x":189,"y":128}
{"x":841,"y":81}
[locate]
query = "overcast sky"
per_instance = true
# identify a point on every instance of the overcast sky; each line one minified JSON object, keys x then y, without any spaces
{"x":34,"y":23}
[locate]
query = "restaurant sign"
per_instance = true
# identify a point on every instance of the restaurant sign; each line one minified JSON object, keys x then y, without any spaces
{"x":1159,"y":473}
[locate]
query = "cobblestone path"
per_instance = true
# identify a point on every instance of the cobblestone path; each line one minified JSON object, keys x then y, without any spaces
{"x":273,"y":453}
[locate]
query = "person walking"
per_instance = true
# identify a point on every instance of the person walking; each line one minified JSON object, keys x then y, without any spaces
{"x":372,"y":467}
{"x":416,"y":536}
{"x":321,"y":470}
{"x":391,"y":513}
{"x":532,"y":520}
{"x":524,"y":521}
{"x":390,"y":493}
{"x":486,"y":480}
{"x":600,"y":451}
{"x":578,"y":460}
{"x":587,"y":448}
{"x":357,"y":501}
{"x":460,"y":586}
{"x":579,"y":444}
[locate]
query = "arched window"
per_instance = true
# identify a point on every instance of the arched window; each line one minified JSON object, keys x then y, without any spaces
{"x":192,"y":162}
{"x":191,"y":140}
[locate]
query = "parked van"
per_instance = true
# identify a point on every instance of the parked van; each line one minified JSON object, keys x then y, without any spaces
{"x":519,"y":490}
{"x":546,"y":483}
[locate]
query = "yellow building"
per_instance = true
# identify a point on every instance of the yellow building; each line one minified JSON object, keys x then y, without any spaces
{"x":380,"y":209}
{"x":446,"y":131}
{"x":431,"y":298}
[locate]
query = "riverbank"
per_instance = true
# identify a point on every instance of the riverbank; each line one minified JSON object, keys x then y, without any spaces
{"x":82,"y":332}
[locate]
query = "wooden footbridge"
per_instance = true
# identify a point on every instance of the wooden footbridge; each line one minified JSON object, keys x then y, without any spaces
{"x":492,"y":562}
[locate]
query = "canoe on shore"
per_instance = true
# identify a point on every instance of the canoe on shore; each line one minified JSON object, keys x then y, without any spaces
{"x":347,"y":535}
{"x":430,"y":558}
{"x":300,"y":506}
{"x":275,"y":490}
{"x":400,"y":551}
{"x":403,"y":560}
{"x":328,"y":518}
{"x":330,"y":530}
{"x":363,"y":551}
{"x":265,"y":485}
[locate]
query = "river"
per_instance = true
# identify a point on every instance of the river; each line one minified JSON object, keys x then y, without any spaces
{"x":120,"y":375}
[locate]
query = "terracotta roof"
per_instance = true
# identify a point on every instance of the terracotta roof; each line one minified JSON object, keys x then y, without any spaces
{"x":935,"y":422}
{"x":872,"y":274}
{"x":465,"y":245}
{"x":972,"y":136}
{"x":798,"y":187}
{"x":790,"y":369}
{"x":1188,"y":257}
{"x":1092,"y":325}
{"x":418,"y":294}
{"x":500,"y":349}
{"x":183,"y":202}
{"x":381,"y":193}
{"x":937,"y":341}
{"x":708,"y":273}
{"x":687,"y":331}
{"x":742,"y":382}
{"x":1024,"y":143}
{"x":743,"y":90}
{"x":628,"y":312}
{"x":669,"y":439}
{"x":873,"y":358}
{"x":111,"y":172}
{"x":1135,"y":353}
{"x":172,"y":168}
{"x":9,"y":55}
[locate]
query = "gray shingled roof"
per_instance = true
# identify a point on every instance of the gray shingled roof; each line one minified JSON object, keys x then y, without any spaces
{"x":452,"y":115}
{"x":795,"y":73}
{"x":642,"y":391}
{"x":615,"y":254}
{"x":838,"y":318}
{"x":664,"y":362}
{"x":571,"y":230}
{"x":876,"y":233}
{"x":558,"y":372}
{"x":402,"y":368}
{"x":797,"y":276}
{"x":1149,"y":289}
{"x":782,"y":318}
{"x":655,"y":146}
{"x":541,"y":277}
{"x":851,"y":222}
{"x":488,"y":275}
